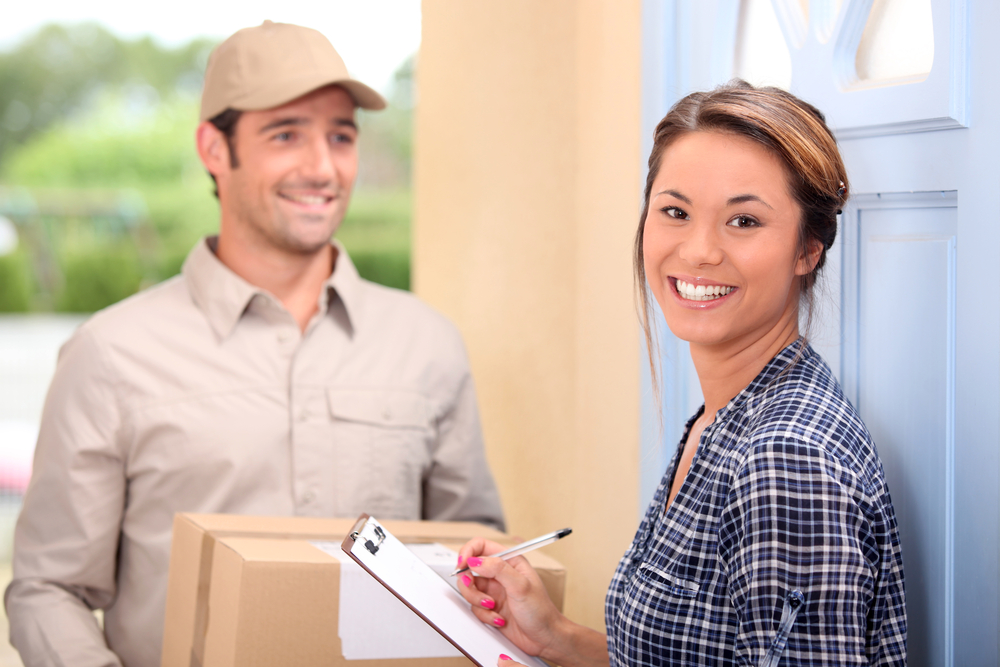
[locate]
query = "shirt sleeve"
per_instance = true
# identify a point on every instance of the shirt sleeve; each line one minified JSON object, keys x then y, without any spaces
{"x":67,"y":535}
{"x":797,"y":530}
{"x":459,"y":485}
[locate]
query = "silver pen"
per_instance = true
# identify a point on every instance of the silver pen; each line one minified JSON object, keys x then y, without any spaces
{"x":524,"y":547}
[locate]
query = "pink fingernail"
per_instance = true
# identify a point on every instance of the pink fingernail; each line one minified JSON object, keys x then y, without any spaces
{"x":499,"y":622}
{"x":459,"y":560}
{"x":467,"y":580}
{"x":475,"y":562}
{"x":488,"y":603}
{"x":504,"y":656}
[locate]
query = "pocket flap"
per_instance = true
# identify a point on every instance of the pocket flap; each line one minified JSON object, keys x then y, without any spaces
{"x":670,"y":582}
{"x":380,"y":407}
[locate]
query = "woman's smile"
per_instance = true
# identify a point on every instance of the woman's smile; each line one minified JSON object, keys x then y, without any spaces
{"x":700,"y":291}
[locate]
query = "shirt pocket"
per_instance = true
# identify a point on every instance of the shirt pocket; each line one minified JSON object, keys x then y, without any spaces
{"x":653,"y":603}
{"x":658,"y":579}
{"x":388,"y":436}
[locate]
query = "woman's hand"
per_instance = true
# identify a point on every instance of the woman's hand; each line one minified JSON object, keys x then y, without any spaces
{"x":510,"y":596}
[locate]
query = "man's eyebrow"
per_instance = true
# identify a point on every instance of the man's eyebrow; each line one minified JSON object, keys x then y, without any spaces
{"x":282,"y":122}
{"x":297,"y":122}
{"x":742,"y":199}
{"x":675,"y":194}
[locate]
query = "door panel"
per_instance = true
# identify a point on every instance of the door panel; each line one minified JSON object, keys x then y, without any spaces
{"x":904,"y":251}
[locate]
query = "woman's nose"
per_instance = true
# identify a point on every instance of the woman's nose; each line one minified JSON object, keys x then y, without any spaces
{"x":702,"y":245}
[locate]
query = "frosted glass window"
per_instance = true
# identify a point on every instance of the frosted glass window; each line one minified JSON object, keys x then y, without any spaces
{"x":762,"y":56}
{"x":898,"y":42}
{"x":826,"y":17}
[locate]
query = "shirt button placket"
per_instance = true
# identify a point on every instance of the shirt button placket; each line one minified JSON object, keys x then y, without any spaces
{"x":299,"y":415}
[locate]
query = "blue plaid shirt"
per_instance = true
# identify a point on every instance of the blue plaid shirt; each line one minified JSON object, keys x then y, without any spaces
{"x":781,"y":544}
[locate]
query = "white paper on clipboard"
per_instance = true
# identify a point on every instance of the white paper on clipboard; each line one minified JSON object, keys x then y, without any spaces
{"x":429,"y":595}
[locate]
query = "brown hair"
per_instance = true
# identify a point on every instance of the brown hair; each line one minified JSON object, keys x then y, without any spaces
{"x":793,"y":130}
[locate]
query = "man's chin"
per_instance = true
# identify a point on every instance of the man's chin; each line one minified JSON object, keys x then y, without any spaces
{"x":309,"y":240}
{"x":305,"y":248}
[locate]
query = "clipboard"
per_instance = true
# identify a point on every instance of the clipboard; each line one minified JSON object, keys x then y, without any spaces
{"x":425,"y":592}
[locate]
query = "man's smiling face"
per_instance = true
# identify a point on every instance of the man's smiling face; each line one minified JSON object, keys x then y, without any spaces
{"x":296,"y":167}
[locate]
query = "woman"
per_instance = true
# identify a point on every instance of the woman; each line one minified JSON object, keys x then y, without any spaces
{"x":772,"y":535}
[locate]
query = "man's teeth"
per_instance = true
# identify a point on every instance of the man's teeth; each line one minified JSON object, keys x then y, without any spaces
{"x":702,"y":292}
{"x":307,"y":199}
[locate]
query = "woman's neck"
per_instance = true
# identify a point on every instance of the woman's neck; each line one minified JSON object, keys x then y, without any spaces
{"x":724,"y":370}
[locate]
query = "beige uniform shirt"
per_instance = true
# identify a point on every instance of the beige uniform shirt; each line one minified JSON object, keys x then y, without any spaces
{"x":202,"y":394}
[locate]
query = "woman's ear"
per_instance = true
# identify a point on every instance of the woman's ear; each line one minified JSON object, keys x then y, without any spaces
{"x":809,"y":258}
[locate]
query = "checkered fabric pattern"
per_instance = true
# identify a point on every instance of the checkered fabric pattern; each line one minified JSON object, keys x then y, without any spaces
{"x":785,"y":503}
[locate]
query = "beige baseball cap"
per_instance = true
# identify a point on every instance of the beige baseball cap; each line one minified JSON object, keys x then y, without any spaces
{"x":268,"y":65}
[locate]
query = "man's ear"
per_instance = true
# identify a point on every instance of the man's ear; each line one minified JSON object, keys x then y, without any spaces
{"x":212,"y":149}
{"x":808,"y":259}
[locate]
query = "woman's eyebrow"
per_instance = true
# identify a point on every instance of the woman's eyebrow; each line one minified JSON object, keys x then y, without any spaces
{"x":675,"y":194}
{"x":742,"y":199}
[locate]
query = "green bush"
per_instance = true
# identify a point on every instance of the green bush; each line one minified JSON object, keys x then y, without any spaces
{"x":391,"y":269}
{"x":97,"y":277}
{"x":376,"y":233}
{"x":15,"y":283}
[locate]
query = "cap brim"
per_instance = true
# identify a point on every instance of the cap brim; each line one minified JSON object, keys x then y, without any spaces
{"x":285,"y":91}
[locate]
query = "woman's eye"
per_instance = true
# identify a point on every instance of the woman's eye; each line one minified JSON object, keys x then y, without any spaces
{"x":743,"y":221}
{"x":675,"y":212}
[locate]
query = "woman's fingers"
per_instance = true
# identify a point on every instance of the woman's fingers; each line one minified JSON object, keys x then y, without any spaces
{"x":507,"y":661}
{"x":477,"y":546}
{"x":516,"y":575}
{"x":521,"y":607}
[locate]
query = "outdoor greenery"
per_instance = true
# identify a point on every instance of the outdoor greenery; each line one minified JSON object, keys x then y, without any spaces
{"x":99,"y":173}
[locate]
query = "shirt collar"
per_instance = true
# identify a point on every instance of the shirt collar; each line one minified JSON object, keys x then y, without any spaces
{"x":224,"y":296}
{"x":345,"y":282}
{"x":795,"y":352}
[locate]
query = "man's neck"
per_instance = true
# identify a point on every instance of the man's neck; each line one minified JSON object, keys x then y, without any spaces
{"x":295,"y":279}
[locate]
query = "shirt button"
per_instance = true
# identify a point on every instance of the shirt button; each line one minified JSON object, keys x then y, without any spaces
{"x":387,"y":415}
{"x":308,"y":497}
{"x":284,"y":336}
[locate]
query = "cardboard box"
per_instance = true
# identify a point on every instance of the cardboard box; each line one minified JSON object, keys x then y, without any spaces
{"x":255,"y":591}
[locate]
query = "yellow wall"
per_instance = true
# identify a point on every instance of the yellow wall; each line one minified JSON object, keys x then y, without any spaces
{"x":527,"y":178}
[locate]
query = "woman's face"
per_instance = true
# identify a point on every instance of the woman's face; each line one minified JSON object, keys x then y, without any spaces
{"x":721,"y":241}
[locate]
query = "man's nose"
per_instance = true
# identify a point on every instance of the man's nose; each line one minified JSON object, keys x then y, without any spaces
{"x":702,"y":245}
{"x":318,"y":163}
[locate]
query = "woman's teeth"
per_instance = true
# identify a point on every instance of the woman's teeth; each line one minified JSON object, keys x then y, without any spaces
{"x":702,"y":292}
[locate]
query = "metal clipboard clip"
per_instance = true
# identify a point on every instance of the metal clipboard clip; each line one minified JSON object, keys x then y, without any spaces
{"x":371,"y":546}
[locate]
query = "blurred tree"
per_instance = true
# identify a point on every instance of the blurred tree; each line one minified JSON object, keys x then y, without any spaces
{"x":60,"y":70}
{"x":387,"y":135}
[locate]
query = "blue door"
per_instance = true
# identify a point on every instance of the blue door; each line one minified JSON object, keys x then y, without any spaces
{"x":909,"y":315}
